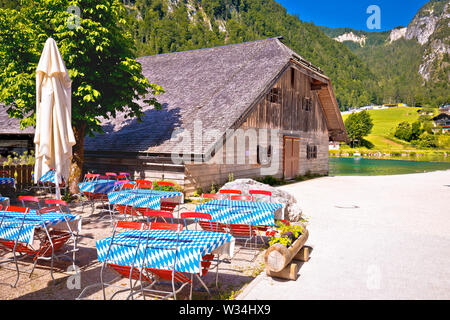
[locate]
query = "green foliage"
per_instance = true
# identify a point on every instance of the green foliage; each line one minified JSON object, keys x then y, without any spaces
{"x":99,"y":55}
{"x":403,"y":131}
{"x":426,"y":141}
{"x":285,"y":233}
{"x":358,"y":126}
{"x":23,"y":159}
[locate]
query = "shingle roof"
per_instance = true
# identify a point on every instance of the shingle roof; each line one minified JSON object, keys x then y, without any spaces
{"x":214,"y":85}
{"x":11,"y":126}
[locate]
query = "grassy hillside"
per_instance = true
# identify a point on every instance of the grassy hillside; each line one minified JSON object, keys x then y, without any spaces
{"x":385,"y":121}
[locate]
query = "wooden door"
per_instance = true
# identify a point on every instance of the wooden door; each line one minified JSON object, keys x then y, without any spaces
{"x":291,"y":157}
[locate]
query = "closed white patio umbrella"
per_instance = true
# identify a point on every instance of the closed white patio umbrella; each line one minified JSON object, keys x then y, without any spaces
{"x":54,"y":136}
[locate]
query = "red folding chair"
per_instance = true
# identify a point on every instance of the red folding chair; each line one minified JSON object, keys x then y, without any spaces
{"x":254,"y":193}
{"x":123,"y":272}
{"x":166,"y":226}
{"x":27,"y":200}
{"x":167,"y":184}
{"x":204,"y":220}
{"x":175,"y":278}
{"x":157,"y":214}
{"x":50,"y":241}
{"x":145,"y":183}
{"x":209,"y":196}
{"x":111,"y":175}
{"x":241,"y":198}
{"x":230,"y":192}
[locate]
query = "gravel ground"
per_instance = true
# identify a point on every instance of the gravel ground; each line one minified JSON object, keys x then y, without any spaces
{"x":385,"y":237}
{"x":234,"y":275}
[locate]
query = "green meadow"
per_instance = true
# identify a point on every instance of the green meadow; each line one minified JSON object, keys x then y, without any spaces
{"x":382,"y":135}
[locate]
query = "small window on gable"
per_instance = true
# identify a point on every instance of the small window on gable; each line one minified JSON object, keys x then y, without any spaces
{"x":307,"y":104}
{"x":274,"y":96}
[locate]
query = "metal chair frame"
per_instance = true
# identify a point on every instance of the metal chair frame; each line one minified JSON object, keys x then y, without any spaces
{"x":52,"y":241}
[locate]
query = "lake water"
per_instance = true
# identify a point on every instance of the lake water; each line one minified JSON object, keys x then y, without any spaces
{"x":380,"y":167}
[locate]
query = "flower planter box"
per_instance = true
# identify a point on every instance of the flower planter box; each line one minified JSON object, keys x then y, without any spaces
{"x":278,"y":258}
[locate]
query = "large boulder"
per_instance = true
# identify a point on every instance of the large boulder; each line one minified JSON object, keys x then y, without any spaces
{"x":291,"y":209}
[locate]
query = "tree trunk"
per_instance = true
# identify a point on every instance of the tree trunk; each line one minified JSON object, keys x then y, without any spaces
{"x":76,"y":168}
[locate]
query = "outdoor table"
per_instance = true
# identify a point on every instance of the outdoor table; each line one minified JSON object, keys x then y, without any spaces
{"x":242,"y":212}
{"x":4,"y":181}
{"x":102,"y":186}
{"x":143,"y":198}
{"x":159,"y":251}
{"x":10,"y":223}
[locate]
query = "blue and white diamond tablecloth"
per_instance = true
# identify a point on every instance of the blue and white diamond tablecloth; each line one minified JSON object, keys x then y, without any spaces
{"x":7,"y":181}
{"x":48,"y":177}
{"x":161,"y":248}
{"x":99,"y":186}
{"x":141,"y":198}
{"x":11,"y":222}
{"x":241,"y":212}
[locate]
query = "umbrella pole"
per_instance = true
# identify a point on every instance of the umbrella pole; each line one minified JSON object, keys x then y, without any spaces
{"x":57,"y":190}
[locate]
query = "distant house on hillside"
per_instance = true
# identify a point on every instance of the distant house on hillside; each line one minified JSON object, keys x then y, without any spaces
{"x":12,"y":139}
{"x":441,"y":123}
{"x":214,"y":97}
{"x":445,"y":109}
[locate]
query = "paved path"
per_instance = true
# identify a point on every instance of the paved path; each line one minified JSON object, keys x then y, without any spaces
{"x":396,"y":245}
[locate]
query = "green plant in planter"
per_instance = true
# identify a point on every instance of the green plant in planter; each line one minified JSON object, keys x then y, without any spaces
{"x":285,"y":233}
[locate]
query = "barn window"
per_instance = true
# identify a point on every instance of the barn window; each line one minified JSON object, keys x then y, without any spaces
{"x":311,"y":152}
{"x":307,"y":104}
{"x":274,"y":96}
{"x":264,"y":155}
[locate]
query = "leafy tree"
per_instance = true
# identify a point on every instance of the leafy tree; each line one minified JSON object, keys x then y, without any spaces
{"x":403,"y":131}
{"x":426,"y":141}
{"x":358,"y":126}
{"x":99,"y":55}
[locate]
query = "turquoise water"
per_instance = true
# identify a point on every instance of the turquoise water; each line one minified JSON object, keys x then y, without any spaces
{"x":380,"y":167}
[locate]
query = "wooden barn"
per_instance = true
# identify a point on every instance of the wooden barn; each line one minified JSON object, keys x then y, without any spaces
{"x":224,"y":96}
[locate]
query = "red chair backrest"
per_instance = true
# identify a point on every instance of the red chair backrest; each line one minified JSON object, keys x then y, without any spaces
{"x":128,"y":186}
{"x":49,"y":210}
{"x":89,"y":176}
{"x":156,"y":213}
{"x":241,"y":198}
{"x":145,"y":186}
{"x":122,"y":177}
{"x":260,"y":192}
{"x":124,"y":174}
{"x":56,"y":202}
{"x":131,"y":225}
{"x":28,"y":198}
{"x":17,"y":209}
{"x":165,"y":183}
{"x":111,"y":175}
{"x":168,"y":206}
{"x":144,"y":182}
{"x":213,"y":196}
{"x":195,"y":215}
{"x":166,"y":226}
{"x":230,"y":191}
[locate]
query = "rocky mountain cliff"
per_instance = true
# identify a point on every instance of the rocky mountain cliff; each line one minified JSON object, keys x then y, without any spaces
{"x":429,"y":34}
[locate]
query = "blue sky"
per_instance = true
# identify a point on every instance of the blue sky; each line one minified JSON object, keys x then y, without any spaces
{"x":352,"y":14}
